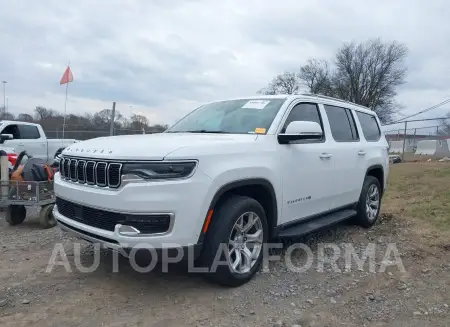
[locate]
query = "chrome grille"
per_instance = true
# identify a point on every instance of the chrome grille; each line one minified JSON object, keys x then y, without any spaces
{"x":100,"y":176}
{"x":114,"y":174}
{"x":100,"y":173}
{"x":73,"y":170}
{"x":80,"y":171}
{"x":90,"y":172}
{"x":65,"y":167}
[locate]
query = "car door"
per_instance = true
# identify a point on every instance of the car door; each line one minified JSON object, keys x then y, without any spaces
{"x":16,"y":141}
{"x":349,"y":156}
{"x":26,"y":138}
{"x":34,"y":143}
{"x":306,"y":168}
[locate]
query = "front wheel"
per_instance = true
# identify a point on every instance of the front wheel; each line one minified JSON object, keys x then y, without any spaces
{"x":369,"y":204}
{"x":233,"y":247}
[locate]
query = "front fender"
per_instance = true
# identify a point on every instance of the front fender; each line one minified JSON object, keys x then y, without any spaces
{"x":238,"y":177}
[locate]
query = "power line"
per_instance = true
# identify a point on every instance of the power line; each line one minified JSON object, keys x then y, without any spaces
{"x":423,"y":111}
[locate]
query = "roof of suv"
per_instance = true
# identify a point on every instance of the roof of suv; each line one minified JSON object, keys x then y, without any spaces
{"x":315,"y":97}
{"x":336,"y":101}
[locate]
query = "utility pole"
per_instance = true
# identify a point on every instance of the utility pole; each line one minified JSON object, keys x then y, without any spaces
{"x":4,"y":95}
{"x":404,"y":141}
{"x":113,"y":114}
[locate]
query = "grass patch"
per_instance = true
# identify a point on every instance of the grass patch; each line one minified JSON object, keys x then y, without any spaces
{"x":420,"y":191}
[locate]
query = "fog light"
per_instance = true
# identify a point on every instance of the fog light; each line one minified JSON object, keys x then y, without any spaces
{"x":127,"y":230}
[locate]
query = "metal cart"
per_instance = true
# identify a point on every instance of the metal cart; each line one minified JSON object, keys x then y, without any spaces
{"x":16,"y":196}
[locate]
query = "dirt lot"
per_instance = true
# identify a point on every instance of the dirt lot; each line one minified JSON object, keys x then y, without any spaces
{"x":416,"y":219}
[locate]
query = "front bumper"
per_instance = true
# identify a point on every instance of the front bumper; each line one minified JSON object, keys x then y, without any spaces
{"x":182,"y":253}
{"x":183,"y":200}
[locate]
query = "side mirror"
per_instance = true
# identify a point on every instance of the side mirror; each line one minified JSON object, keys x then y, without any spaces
{"x":4,"y":137}
{"x":301,"y":130}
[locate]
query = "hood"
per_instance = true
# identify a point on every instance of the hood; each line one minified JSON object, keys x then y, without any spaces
{"x":148,"y":146}
{"x":63,"y":141}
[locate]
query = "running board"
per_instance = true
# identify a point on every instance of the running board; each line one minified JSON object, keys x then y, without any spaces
{"x":316,"y":223}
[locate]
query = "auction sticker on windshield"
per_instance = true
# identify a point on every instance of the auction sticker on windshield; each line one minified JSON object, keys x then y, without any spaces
{"x":256,"y":104}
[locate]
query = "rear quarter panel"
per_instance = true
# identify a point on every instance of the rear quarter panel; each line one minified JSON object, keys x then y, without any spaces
{"x":378,"y":154}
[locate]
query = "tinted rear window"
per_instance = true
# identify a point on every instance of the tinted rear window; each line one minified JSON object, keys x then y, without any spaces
{"x":369,"y":126}
{"x":341,"y":121}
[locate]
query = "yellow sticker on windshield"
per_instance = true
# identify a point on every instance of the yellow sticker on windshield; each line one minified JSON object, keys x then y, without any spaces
{"x":260,"y":130}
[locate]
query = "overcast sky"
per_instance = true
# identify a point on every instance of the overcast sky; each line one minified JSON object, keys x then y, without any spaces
{"x":162,"y":58}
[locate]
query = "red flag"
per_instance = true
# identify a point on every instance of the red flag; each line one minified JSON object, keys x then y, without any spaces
{"x":67,"y":77}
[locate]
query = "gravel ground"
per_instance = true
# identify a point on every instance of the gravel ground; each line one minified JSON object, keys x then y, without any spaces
{"x":419,"y":296}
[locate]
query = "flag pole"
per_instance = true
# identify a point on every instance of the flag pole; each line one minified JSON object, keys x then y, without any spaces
{"x":65,"y":107}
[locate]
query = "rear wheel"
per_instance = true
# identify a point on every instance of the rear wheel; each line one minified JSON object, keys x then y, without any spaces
{"x":233,"y":247}
{"x":15,"y":214}
{"x":369,"y":204}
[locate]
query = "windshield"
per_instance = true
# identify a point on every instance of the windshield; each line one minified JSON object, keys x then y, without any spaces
{"x":242,"y":116}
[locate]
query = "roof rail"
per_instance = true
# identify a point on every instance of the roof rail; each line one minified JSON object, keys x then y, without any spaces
{"x":334,"y":99}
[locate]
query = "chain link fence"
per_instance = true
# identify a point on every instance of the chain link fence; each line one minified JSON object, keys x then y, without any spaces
{"x":417,"y":140}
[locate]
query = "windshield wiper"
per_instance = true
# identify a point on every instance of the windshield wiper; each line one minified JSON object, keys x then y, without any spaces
{"x":206,"y":131}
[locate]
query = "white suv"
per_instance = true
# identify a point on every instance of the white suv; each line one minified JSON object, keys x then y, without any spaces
{"x":230,"y":175}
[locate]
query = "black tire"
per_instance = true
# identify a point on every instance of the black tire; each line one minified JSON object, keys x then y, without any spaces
{"x":58,"y":152}
{"x":222,"y":223}
{"x":15,"y":215}
{"x":362,"y":218}
{"x":46,"y":218}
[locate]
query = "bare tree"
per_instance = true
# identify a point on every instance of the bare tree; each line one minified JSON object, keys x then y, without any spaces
{"x":316,"y":76}
{"x":86,"y":125}
{"x":286,"y":83}
{"x":42,"y":113}
{"x":103,"y":117}
{"x":367,"y":73}
{"x":5,"y":115}
{"x":138,"y":121}
{"x":25,"y":117}
{"x":125,"y":122}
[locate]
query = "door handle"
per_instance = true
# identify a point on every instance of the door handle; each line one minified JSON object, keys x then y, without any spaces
{"x":20,"y":144}
{"x":362,"y":153}
{"x":325,"y":155}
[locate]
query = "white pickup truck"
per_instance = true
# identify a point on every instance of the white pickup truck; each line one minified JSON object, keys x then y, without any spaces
{"x":22,"y":136}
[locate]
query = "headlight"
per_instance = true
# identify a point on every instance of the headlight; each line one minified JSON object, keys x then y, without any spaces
{"x":158,"y":170}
